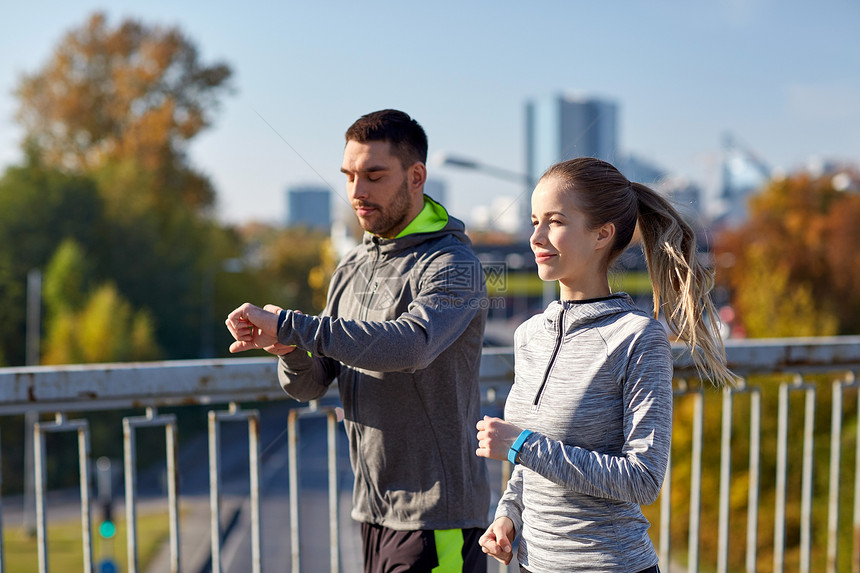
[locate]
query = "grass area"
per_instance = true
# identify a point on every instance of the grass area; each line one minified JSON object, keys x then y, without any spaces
{"x":65,"y":550}
{"x":530,"y":284}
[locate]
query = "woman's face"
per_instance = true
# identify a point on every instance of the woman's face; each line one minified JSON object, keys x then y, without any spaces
{"x":565,"y":248}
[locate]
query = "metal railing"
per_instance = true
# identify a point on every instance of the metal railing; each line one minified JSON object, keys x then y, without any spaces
{"x":800,"y":365}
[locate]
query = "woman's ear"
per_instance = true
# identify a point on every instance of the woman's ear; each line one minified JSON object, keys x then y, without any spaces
{"x":605,"y":236}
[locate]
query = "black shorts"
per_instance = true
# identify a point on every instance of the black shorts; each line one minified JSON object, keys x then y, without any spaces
{"x":452,"y":550}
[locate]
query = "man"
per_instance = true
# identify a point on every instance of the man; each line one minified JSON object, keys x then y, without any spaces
{"x":402,"y":333}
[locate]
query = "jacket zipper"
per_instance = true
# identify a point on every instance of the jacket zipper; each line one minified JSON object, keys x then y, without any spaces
{"x":365,"y":302}
{"x":371,"y":285}
{"x":552,"y":358}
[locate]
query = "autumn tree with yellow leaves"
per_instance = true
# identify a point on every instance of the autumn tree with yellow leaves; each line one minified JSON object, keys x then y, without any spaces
{"x":794,"y":267}
{"x":134,"y":94}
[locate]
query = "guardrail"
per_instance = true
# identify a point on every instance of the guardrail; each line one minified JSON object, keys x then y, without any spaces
{"x":800,"y":364}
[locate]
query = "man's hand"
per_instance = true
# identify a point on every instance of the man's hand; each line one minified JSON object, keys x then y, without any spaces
{"x":252,"y":327}
{"x":497,"y":541}
{"x":495,"y":438}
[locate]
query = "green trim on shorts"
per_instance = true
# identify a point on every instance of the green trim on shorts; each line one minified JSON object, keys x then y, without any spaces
{"x":449,"y":550}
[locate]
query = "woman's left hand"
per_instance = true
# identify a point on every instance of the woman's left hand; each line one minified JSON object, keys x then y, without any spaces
{"x":495,"y":438}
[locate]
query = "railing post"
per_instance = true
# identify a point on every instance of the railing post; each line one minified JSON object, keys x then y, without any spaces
{"x":129,"y":424}
{"x":62,"y":425}
{"x":725,"y":483}
{"x":333,"y":502}
{"x":215,"y":491}
{"x":838,"y":388}
{"x":253,"y":419}
{"x":2,"y":560}
{"x":755,"y":479}
{"x":697,"y":395}
{"x":293,"y":432}
{"x":781,"y":475}
{"x":855,"y":552}
{"x":726,"y":477}
{"x":293,"y":446}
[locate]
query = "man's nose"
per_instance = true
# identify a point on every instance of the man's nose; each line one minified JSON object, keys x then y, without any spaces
{"x":357,"y":189}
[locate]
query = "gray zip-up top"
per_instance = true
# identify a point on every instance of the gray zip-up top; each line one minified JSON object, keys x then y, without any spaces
{"x":402,"y":332}
{"x":593,"y":381}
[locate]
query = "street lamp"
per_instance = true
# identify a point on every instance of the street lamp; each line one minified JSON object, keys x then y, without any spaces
{"x":445,"y":159}
{"x":448,"y":160}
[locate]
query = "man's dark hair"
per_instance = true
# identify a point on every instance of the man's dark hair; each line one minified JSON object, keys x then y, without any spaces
{"x":406,"y":136}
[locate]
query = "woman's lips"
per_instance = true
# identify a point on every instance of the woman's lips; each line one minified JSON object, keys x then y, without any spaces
{"x":543,"y":257}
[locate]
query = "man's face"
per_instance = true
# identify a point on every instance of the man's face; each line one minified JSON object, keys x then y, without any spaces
{"x":378,"y":187}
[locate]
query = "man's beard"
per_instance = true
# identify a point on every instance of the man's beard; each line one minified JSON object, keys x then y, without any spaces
{"x":391,"y":217}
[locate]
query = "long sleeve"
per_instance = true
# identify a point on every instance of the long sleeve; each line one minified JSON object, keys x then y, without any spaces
{"x":305,"y":377}
{"x":436,"y":317}
{"x":511,"y":502}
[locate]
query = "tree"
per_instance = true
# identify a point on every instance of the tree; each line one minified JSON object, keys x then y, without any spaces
{"x":85,"y":325}
{"x":120,"y":105}
{"x":66,"y":279}
{"x":294,"y":264}
{"x":793,"y":267}
{"x":107,"y":329}
{"x":134,"y":94}
{"x":39,"y":208}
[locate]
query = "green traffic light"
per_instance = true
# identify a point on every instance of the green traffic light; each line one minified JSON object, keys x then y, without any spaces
{"x":107,"y":529}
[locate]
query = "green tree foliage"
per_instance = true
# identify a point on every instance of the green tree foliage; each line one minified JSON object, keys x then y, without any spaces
{"x":39,"y":208}
{"x":106,"y":329}
{"x":66,"y":279}
{"x":292,"y":263}
{"x":87,"y":326}
{"x":793,"y":268}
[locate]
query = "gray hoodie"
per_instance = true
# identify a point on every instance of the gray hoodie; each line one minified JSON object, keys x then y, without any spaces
{"x":402,"y":332}
{"x":593,"y":381}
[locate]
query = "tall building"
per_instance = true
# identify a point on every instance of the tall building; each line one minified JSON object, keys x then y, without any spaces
{"x":435,"y":189}
{"x":560,"y":127}
{"x":309,"y":206}
{"x":743,"y":174}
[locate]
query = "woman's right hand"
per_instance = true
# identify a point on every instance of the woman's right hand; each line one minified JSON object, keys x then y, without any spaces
{"x":497,"y":541}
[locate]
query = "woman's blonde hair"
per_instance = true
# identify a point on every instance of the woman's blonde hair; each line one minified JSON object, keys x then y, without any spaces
{"x":681,"y":283}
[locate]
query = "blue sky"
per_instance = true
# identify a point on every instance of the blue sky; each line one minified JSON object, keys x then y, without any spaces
{"x":782,"y":76}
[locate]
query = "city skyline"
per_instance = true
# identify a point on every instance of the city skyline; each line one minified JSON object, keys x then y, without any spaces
{"x":774,"y":75}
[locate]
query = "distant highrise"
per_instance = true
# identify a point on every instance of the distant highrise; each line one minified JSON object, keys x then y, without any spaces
{"x":309,"y":206}
{"x":435,"y":189}
{"x":560,"y":127}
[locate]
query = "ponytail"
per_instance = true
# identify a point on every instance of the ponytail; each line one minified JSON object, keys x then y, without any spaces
{"x":681,"y":283}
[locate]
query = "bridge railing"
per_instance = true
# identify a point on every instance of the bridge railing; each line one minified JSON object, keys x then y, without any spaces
{"x":796,"y":375}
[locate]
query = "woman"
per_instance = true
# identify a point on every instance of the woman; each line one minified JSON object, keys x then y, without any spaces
{"x":588,"y":420}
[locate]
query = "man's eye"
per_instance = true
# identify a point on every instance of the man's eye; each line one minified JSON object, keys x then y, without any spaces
{"x":374,"y":179}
